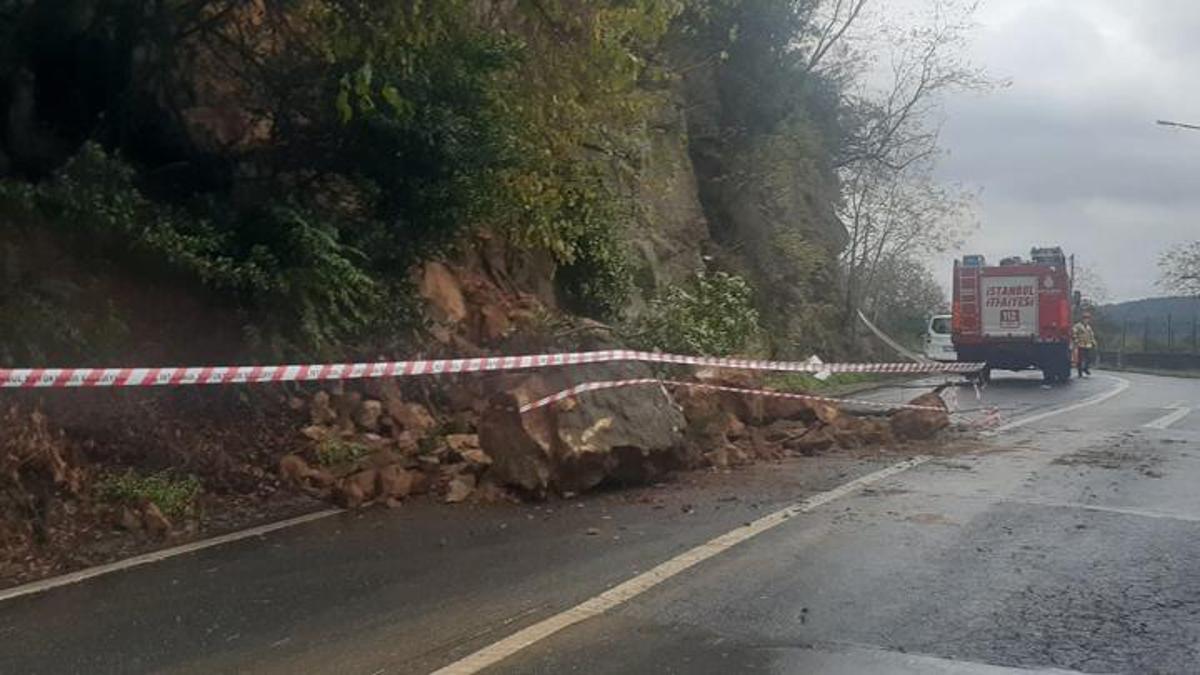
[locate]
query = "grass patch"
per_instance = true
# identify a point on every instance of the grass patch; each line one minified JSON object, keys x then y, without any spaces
{"x":805,"y":382}
{"x":174,"y":495}
{"x":335,"y":451}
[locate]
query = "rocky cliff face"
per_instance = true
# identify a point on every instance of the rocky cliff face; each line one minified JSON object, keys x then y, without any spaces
{"x":671,"y":230}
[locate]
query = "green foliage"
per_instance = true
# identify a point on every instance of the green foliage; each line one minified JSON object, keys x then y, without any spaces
{"x":391,"y":127}
{"x":380,"y":132}
{"x":769,"y":188}
{"x":309,"y":289}
{"x":45,"y":316}
{"x":174,"y":495}
{"x":714,"y":315}
{"x":337,"y":451}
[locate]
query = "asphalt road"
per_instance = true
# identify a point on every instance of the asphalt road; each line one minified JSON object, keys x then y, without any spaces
{"x":1069,"y":542}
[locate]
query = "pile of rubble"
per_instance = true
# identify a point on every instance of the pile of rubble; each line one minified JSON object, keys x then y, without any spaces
{"x":366,"y":450}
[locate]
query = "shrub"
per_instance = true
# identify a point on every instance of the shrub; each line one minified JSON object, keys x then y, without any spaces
{"x":308,"y":289}
{"x":174,"y":495}
{"x":335,"y":451}
{"x":714,"y":315}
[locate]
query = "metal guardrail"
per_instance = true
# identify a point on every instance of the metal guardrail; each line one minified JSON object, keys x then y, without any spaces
{"x":1151,"y":360}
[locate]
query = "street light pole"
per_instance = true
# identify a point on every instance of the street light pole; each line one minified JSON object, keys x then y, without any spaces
{"x":1181,"y":125}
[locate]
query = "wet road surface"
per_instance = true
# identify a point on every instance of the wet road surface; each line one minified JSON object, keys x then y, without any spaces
{"x":1069,"y":542}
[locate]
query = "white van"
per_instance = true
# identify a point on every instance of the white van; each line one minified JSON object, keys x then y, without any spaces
{"x":938,"y":345}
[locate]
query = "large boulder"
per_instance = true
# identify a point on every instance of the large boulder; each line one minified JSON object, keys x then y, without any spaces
{"x":910,"y":424}
{"x":632,"y":434}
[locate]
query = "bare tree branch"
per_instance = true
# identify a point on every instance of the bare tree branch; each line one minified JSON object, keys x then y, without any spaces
{"x":834,"y":30}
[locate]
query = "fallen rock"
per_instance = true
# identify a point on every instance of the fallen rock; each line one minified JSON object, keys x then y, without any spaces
{"x":320,"y":409}
{"x":779,"y":408}
{"x":493,"y":323}
{"x":395,"y":482}
{"x":153,"y":520}
{"x":629,"y":434}
{"x":413,"y":418}
{"x":369,"y":414}
{"x":420,"y":483}
{"x":460,"y":488}
{"x":462,"y":443}
{"x":826,"y":412}
{"x":346,"y":406}
{"x":348,"y":494}
{"x":521,"y":446}
{"x":476,"y":458}
{"x":465,"y":447}
{"x":293,"y":469}
{"x":811,"y":442}
{"x":490,"y":492}
{"x":717,"y":459}
{"x":709,"y":422}
{"x":128,"y":519}
{"x":908,"y":424}
{"x":357,"y":488}
{"x":405,"y":441}
{"x":383,"y":457}
{"x":322,"y":477}
{"x":316,"y":432}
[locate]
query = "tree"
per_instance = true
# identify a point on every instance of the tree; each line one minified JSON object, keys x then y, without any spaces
{"x":894,"y":209}
{"x":1180,"y":269}
{"x":895,"y":219}
{"x":913,"y":295}
{"x":1090,"y":285}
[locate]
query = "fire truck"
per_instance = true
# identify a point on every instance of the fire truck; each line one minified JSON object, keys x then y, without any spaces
{"x":1015,"y":315}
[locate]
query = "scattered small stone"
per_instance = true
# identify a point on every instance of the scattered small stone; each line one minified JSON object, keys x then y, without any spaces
{"x":460,"y":488}
{"x":593,"y":531}
{"x":368,"y":415}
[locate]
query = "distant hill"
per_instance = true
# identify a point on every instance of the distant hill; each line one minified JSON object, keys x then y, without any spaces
{"x":1143,"y":324}
{"x":1155,"y":309}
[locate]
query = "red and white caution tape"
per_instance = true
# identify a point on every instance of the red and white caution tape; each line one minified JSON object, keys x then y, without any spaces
{"x":990,"y":419}
{"x":146,"y":377}
{"x":613,"y":384}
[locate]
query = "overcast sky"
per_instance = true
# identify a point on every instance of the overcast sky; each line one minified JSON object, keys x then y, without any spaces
{"x":1069,"y":153}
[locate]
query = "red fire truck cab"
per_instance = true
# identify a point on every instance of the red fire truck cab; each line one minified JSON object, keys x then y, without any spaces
{"x":1015,"y":315}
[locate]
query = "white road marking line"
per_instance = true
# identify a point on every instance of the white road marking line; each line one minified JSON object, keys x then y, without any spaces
{"x":1181,"y":411}
{"x":1122,"y":385}
{"x":627,"y":590}
{"x":155,"y":556}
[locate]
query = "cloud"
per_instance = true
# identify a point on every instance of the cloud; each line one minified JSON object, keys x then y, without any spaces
{"x":1069,"y":154}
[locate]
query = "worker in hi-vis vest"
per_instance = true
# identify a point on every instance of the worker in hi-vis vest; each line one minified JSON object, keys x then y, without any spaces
{"x":1085,"y":342}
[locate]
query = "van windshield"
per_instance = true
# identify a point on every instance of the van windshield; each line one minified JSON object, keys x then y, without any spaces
{"x":940,"y":325}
